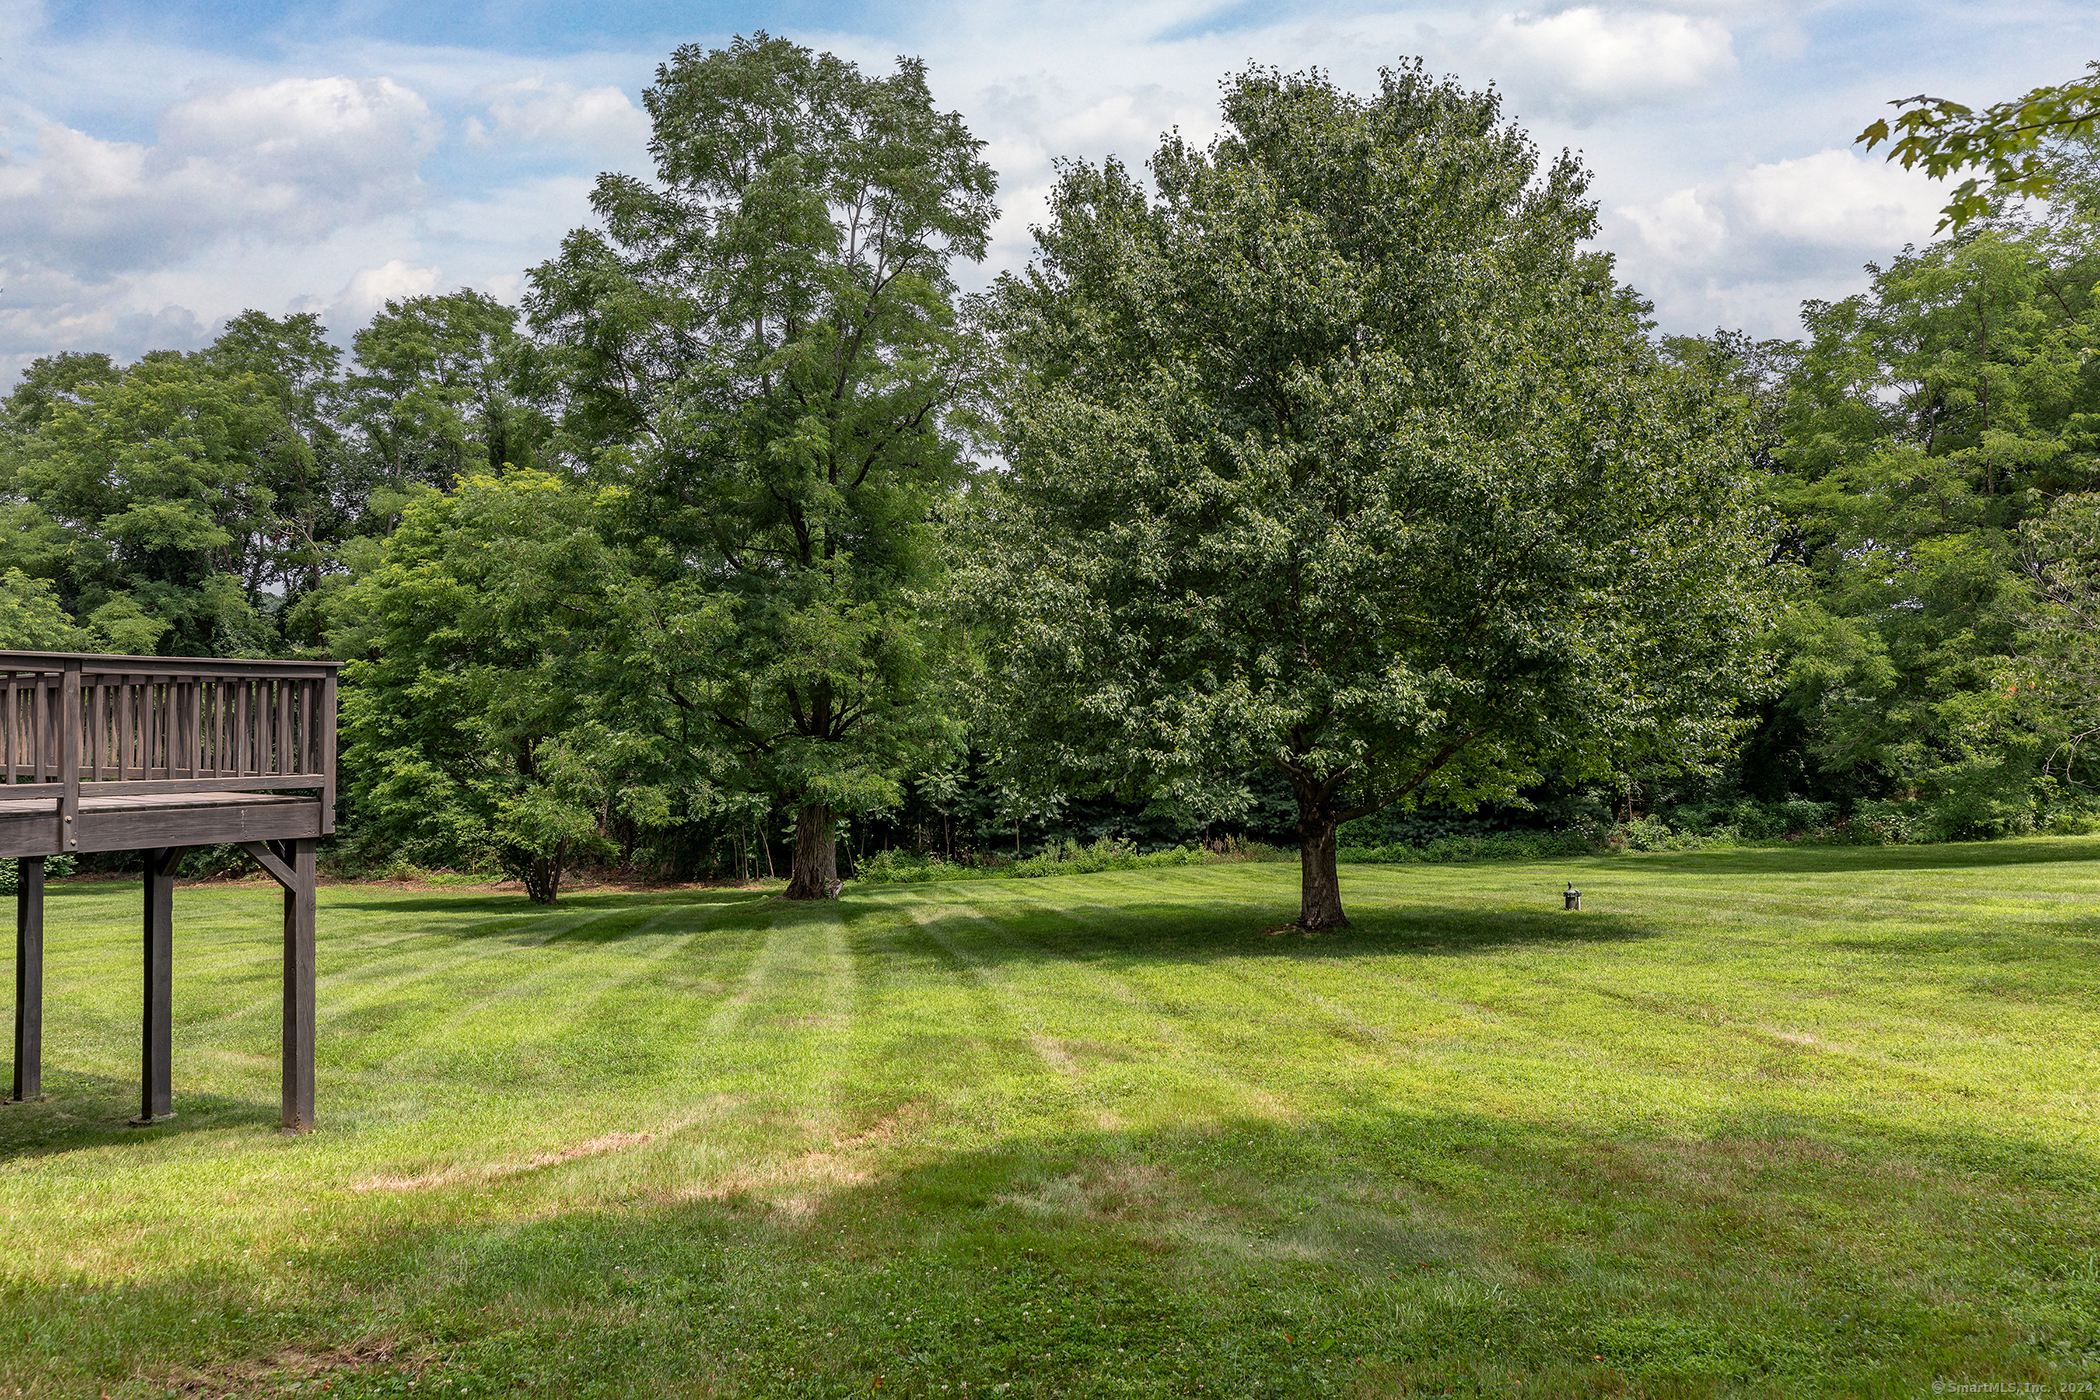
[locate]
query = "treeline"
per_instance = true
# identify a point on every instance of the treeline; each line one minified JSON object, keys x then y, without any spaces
{"x":1931,"y":448}
{"x":748,"y":543}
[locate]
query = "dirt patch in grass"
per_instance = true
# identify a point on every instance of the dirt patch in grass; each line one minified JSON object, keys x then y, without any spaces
{"x":449,"y":1176}
{"x":1114,"y":1190}
{"x":295,"y":1365}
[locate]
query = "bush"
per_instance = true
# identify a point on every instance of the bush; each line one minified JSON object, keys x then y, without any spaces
{"x":1798,"y":815}
{"x":1067,"y":858}
{"x":1235,"y":849}
{"x":1754,"y":821}
{"x":907,"y":868}
{"x":1887,"y":824}
{"x":55,"y":868}
{"x":1501,"y":845}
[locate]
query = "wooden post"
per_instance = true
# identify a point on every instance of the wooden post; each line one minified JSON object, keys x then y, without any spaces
{"x":156,"y":1041}
{"x":29,"y":979}
{"x":299,"y":987}
{"x":328,"y":755}
{"x":69,"y":755}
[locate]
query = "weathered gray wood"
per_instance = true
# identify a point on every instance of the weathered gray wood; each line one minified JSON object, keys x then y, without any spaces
{"x":69,"y":751}
{"x":273,"y":865}
{"x":157,"y":1024}
{"x":156,"y":754}
{"x":175,"y":787}
{"x":186,"y":726}
{"x":132,"y":823}
{"x":328,"y":753}
{"x":281,"y":745}
{"x":29,"y":979}
{"x":299,"y":924}
{"x":51,"y":662}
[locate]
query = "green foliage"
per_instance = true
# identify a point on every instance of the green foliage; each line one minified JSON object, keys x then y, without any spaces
{"x":1339,"y":456}
{"x":32,"y":620}
{"x":1934,"y":428}
{"x":1503,"y":845}
{"x":2009,"y":141}
{"x":553,"y":822}
{"x":430,"y":393}
{"x":478,"y":713}
{"x":762,"y":350}
{"x":55,"y":868}
{"x":154,"y":490}
{"x":897,"y":867}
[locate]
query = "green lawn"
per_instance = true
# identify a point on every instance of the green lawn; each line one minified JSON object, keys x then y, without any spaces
{"x":1814,"y":1122}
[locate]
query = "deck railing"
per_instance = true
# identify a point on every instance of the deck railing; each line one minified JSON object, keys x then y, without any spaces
{"x":163,"y":725}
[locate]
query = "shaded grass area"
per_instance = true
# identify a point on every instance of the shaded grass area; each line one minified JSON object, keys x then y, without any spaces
{"x":1793,"y":1122}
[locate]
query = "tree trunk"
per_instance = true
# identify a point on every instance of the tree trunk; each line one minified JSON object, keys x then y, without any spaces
{"x":816,"y":871}
{"x":543,"y":879}
{"x":1320,"y":888}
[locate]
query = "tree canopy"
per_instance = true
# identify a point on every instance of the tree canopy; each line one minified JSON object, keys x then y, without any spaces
{"x":1321,"y":485}
{"x":1337,"y":455}
{"x":762,"y":348}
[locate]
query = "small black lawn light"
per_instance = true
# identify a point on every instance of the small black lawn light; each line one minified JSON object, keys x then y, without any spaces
{"x":1572,"y":898}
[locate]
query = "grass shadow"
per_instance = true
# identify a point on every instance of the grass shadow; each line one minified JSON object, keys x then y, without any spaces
{"x":1839,"y":860}
{"x":83,"y":1111}
{"x":1133,"y":930}
{"x":1393,"y":1253}
{"x":519,"y":906}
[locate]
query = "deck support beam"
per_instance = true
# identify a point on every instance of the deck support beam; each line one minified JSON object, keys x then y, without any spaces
{"x":157,"y":1028}
{"x":299,"y":920}
{"x":291,"y":864}
{"x":29,"y":979}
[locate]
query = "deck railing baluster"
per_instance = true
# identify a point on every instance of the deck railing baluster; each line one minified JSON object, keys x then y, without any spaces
{"x":76,"y":725}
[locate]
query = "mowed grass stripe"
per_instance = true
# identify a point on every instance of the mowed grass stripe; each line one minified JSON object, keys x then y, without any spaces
{"x":1108,"y":1136}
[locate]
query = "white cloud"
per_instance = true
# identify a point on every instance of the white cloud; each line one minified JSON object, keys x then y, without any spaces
{"x":175,"y":185}
{"x":1587,"y":59}
{"x":1751,"y":246}
{"x":290,"y":160}
{"x":371,"y":288}
{"x":537,"y":110}
{"x":1781,"y":214}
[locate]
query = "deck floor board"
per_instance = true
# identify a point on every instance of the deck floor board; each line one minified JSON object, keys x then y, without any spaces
{"x":129,"y":821}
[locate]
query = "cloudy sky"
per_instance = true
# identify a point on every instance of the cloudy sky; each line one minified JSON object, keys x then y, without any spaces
{"x":165,"y":164}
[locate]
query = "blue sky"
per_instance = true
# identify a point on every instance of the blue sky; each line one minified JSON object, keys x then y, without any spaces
{"x":163,"y":166}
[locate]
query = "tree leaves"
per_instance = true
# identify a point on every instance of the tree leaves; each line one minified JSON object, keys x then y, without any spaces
{"x":1331,"y":457}
{"x":2007,"y":141}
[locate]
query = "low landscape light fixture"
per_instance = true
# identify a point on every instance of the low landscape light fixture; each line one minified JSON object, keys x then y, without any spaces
{"x":1572,"y":898}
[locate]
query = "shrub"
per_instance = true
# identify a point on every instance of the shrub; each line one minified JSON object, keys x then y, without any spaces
{"x":1887,"y":824}
{"x":1798,"y":814}
{"x":906,"y":868}
{"x":1234,"y":849}
{"x":1501,"y":845}
{"x":55,"y":868}
{"x":1754,"y":821}
{"x":1067,"y":858}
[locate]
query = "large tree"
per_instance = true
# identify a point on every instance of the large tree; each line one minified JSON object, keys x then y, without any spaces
{"x":429,"y":395}
{"x":760,"y":347}
{"x":487,"y":709}
{"x":1336,"y":454}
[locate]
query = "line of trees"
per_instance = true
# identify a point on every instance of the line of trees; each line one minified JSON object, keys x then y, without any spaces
{"x":1325,"y":478}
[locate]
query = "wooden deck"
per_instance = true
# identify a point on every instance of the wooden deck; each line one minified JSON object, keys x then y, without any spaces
{"x":35,"y":826}
{"x":155,"y":755}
